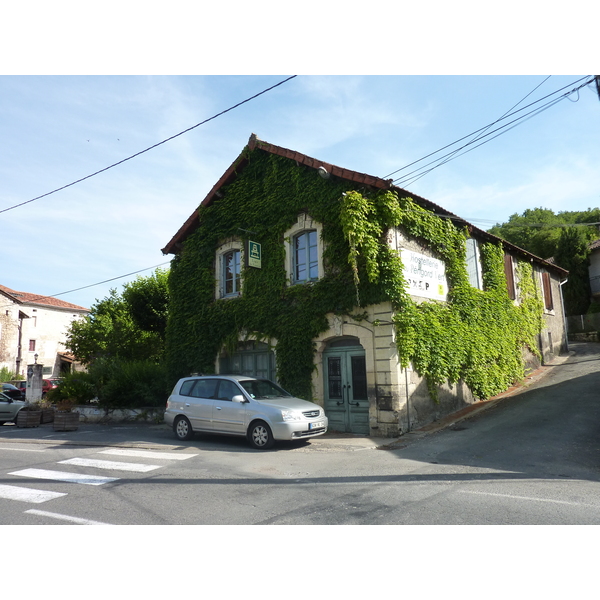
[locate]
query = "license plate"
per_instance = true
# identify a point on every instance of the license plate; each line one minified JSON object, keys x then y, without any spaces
{"x":316,"y":425}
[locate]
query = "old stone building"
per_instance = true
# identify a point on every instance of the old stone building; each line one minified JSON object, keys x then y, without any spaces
{"x":34,"y":327}
{"x":379,"y":305}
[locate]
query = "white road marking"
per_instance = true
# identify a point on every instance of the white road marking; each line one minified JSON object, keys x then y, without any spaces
{"x":64,"y":476}
{"x":11,"y":492}
{"x":147,"y":454}
{"x":530,"y":498}
{"x":22,"y":449}
{"x":109,"y":464}
{"x":76,"y":520}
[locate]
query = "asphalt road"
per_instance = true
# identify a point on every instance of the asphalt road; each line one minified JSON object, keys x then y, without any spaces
{"x":531,"y":458}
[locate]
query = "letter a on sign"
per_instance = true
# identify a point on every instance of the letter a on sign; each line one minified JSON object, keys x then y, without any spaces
{"x":254,"y":255}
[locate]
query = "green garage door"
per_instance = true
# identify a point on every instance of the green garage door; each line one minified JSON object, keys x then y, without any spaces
{"x":253,"y":358}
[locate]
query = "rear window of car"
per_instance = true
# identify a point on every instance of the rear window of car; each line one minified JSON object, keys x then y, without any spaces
{"x":199,"y":388}
{"x":186,"y":387}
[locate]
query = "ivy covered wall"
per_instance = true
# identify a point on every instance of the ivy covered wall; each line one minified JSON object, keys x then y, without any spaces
{"x":477,"y":336}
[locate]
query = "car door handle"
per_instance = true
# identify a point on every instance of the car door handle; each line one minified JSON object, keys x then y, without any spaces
{"x":218,"y":407}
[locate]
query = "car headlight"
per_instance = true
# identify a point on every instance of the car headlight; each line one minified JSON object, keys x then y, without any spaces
{"x":290,"y":415}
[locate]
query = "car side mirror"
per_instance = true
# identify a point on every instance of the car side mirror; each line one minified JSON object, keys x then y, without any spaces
{"x":239,"y":398}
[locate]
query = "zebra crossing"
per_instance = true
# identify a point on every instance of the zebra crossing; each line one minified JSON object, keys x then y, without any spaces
{"x":89,"y":477}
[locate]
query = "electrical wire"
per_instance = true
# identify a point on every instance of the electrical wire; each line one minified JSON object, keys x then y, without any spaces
{"x":452,"y":155}
{"x":503,"y":129}
{"x":405,"y":178}
{"x":150,"y":148}
{"x":85,"y":287}
{"x":508,"y":112}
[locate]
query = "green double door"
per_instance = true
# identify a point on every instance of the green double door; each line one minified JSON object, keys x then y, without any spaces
{"x":346,"y":399}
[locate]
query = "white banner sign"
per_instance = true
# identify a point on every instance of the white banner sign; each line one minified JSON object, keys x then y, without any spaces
{"x":425,"y":276}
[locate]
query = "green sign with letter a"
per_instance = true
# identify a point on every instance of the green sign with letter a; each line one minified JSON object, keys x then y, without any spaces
{"x":254,"y":254}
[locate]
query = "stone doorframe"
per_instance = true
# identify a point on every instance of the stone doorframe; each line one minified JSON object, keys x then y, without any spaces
{"x":339,"y":327}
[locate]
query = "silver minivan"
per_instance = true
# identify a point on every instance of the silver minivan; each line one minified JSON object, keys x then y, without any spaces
{"x":9,"y":408}
{"x":240,"y":405}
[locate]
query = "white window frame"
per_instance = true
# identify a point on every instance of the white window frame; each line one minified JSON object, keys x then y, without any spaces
{"x":304,"y":224}
{"x":476,"y":274}
{"x":222,"y":251}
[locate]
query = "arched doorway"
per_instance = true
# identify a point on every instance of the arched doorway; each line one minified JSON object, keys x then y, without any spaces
{"x":345,"y":385}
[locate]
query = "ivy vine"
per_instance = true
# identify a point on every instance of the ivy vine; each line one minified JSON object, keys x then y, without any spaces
{"x":475,"y":336}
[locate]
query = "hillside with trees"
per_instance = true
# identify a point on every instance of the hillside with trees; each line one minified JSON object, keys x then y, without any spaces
{"x":565,"y":237}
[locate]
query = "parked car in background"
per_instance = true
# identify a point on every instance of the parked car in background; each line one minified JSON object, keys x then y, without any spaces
{"x":19,"y":383}
{"x":9,"y":408}
{"x":12,"y":391}
{"x":240,"y":405}
{"x":50,"y":384}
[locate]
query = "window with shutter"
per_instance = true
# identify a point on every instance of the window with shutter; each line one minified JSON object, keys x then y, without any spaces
{"x":547,"y":286}
{"x":510,"y":276}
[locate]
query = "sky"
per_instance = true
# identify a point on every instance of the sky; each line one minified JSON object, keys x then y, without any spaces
{"x":57,"y":129}
{"x":85,"y":86}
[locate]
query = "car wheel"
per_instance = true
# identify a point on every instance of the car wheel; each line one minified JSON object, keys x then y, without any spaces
{"x":260,"y":436}
{"x":183,"y":428}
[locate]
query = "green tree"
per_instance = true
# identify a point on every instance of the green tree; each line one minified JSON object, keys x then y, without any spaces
{"x":147,"y":300}
{"x":563,"y":237}
{"x":535,"y":231}
{"x":572,"y":253}
{"x":122,"y":344}
{"x":110,"y":331}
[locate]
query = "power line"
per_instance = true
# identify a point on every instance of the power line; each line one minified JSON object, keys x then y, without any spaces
{"x":452,"y":155}
{"x":480,"y":135}
{"x":85,"y":287}
{"x":151,"y":147}
{"x":404,"y":179}
{"x":503,"y":129}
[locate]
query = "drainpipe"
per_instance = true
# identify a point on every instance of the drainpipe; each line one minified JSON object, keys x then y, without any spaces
{"x":562,"y":304}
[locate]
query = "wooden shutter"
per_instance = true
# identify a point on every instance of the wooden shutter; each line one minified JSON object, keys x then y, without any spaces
{"x":547,"y":285}
{"x":510,"y":276}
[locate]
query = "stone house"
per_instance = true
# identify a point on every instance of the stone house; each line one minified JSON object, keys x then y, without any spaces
{"x":279,"y":275}
{"x":33,"y":325}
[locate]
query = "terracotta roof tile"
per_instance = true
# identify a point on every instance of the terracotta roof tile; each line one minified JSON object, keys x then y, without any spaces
{"x":28,"y":298}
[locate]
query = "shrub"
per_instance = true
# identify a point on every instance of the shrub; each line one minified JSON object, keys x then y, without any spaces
{"x":8,"y":375}
{"x":129,"y":384}
{"x":77,"y":388}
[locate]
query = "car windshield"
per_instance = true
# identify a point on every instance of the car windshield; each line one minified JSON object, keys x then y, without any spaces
{"x":263,"y":389}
